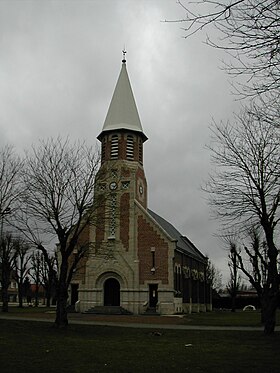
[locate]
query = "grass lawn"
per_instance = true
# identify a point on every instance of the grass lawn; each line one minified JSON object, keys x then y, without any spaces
{"x":38,"y":347}
{"x":227,"y":318}
{"x":215,"y":318}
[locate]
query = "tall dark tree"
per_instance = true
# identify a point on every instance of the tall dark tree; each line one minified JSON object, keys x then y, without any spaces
{"x":35,"y":273}
{"x":213,"y":276}
{"x":59,"y":179}
{"x":254,"y":263}
{"x":21,"y":266}
{"x":7,"y":253}
{"x":48,"y":273}
{"x":234,"y":282}
{"x":244,"y":188}
{"x":27,"y":293}
{"x":10,"y":189}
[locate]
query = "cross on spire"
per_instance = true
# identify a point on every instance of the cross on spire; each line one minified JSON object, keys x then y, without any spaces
{"x":124,"y":53}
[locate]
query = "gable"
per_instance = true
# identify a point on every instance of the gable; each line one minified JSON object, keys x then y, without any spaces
{"x":182,"y":242}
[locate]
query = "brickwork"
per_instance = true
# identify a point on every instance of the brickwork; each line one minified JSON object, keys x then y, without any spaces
{"x":140,"y":174}
{"x":149,"y":238}
{"x":125,"y":172}
{"x":122,"y":146}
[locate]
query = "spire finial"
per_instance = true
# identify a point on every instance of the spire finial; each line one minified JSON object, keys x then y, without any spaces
{"x":124,"y":53}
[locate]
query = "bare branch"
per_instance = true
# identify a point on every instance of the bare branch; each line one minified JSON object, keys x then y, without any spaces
{"x":249,"y":31}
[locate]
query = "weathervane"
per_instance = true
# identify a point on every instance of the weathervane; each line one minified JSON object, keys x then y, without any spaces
{"x":124,"y":53}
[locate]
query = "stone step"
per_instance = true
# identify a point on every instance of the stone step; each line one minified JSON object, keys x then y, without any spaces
{"x":108,"y":310}
{"x":151,"y":311}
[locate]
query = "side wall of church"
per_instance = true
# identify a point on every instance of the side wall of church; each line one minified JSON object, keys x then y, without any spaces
{"x":155,"y":255}
{"x":191,"y":288}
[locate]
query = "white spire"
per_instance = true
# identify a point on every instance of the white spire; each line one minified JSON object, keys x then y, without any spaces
{"x":122,"y":113}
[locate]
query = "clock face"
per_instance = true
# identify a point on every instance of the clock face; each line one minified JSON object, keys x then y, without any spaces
{"x":113,"y":185}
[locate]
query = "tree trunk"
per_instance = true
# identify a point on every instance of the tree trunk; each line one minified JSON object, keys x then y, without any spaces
{"x":61,"y":307}
{"x":5,"y":299}
{"x":62,"y":296}
{"x":36,"y":295}
{"x":20,"y":295}
{"x":270,"y":297}
{"x":48,"y":296}
{"x":233,"y":302}
{"x":269,"y":302}
{"x":5,"y":282}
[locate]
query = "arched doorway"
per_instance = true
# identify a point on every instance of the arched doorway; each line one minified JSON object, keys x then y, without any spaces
{"x":111,"y":292}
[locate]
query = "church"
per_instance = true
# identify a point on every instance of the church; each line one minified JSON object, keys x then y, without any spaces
{"x":137,"y":262}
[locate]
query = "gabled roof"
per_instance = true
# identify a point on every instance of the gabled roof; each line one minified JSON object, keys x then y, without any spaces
{"x":183,"y":243}
{"x":123,"y":113}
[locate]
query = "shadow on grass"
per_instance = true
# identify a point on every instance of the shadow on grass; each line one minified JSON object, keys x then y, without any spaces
{"x":38,"y":347}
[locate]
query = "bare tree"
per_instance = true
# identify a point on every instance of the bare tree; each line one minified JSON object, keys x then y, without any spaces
{"x":43,"y":271}
{"x":10,"y":185}
{"x":248,"y":30}
{"x":48,"y":273}
{"x":35,"y":273}
{"x":7,"y":252}
{"x":21,"y":266}
{"x":10,"y":189}
{"x":27,"y":292}
{"x":234,"y":282}
{"x":59,"y":180}
{"x":253,"y":262}
{"x":213,"y":276}
{"x":244,"y":188}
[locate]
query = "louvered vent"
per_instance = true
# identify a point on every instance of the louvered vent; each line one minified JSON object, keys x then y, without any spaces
{"x":129,"y":147}
{"x":103,"y":150}
{"x":140,"y":151}
{"x":114,"y":147}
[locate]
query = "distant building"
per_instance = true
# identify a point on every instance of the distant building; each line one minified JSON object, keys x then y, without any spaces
{"x":13,"y":289}
{"x":244,"y":298}
{"x":138,"y":261}
{"x":30,"y":291}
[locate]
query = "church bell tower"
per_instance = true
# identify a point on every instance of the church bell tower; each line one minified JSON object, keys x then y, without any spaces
{"x":121,"y":176}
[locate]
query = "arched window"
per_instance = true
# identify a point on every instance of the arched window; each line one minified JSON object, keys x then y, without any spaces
{"x":114,"y":147}
{"x":129,"y":147}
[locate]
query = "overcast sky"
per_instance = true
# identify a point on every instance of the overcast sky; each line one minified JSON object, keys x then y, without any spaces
{"x":59,"y":63}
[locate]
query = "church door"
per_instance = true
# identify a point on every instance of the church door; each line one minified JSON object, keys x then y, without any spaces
{"x":111,"y":292}
{"x":153,"y":295}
